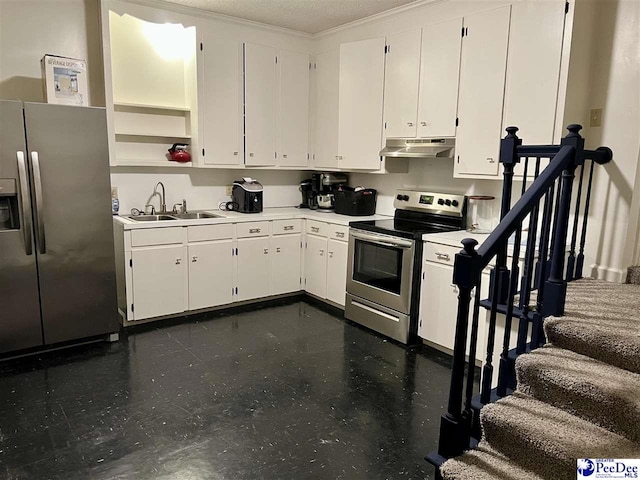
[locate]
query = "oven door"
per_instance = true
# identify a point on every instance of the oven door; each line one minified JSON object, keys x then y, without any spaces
{"x":380,"y":269}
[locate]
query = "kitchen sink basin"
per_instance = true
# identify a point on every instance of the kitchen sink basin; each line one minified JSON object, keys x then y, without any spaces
{"x":151,"y":218}
{"x":195,"y":215}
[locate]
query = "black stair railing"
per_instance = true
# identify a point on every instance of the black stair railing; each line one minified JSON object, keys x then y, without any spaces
{"x":524,"y":290}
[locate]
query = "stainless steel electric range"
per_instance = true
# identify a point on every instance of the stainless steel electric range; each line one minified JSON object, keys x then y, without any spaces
{"x":385,"y":257}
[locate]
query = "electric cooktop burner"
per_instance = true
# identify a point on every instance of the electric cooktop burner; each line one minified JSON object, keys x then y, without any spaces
{"x":419,"y":213}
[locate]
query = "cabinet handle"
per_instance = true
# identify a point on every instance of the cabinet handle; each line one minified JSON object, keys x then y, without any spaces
{"x":424,"y":124}
{"x":277,"y":249}
{"x":339,"y":157}
{"x":284,"y":155}
{"x":254,"y":230}
{"x":322,"y":253}
{"x":315,"y":229}
{"x":340,"y":234}
{"x":409,"y":124}
{"x":235,"y":153}
{"x":178,"y":261}
{"x":266,"y":251}
{"x":288,"y":227}
{"x":490,"y":160}
{"x":194,"y":259}
{"x":251,"y":154}
{"x":443,"y":256}
{"x":330,"y":254}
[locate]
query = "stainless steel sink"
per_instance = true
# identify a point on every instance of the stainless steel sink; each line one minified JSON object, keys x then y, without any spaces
{"x":151,"y":218}
{"x":195,"y":215}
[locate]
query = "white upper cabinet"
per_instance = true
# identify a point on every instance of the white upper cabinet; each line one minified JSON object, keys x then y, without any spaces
{"x":326,"y":68}
{"x":481,"y":93}
{"x":260,"y":91}
{"x":533,"y":69}
{"x":402,"y":72}
{"x":221,"y":100}
{"x":360,"y":102}
{"x":293,"y":121}
{"x":439,"y":75}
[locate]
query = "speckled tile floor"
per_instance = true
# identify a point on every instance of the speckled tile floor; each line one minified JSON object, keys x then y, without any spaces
{"x":285,"y":392}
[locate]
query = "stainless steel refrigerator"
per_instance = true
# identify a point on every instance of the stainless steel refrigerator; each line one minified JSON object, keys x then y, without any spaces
{"x":57,"y":267}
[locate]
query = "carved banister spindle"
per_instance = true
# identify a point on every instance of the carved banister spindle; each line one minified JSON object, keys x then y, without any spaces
{"x":571,"y":259}
{"x":455,"y":428}
{"x":585,"y":218}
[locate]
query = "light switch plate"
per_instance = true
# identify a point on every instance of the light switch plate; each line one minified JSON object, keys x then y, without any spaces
{"x":229,"y":187}
{"x":595,"y":117}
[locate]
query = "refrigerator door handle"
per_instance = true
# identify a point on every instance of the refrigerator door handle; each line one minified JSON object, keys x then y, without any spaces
{"x":37,"y":181}
{"x":25,"y":199}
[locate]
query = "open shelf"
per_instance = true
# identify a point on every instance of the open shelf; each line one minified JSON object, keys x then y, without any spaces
{"x":151,"y":135}
{"x":141,"y":106}
{"x":150,"y":163}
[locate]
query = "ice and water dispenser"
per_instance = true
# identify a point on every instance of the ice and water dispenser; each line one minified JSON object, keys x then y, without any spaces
{"x":9,"y":218}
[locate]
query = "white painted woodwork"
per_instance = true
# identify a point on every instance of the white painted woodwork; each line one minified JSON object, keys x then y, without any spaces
{"x":210,"y":274}
{"x":279,"y":227}
{"x":286,"y":262}
{"x":293,"y":111}
{"x":314,"y":227}
{"x":439,"y":75}
{"x":338,"y":232}
{"x":480,"y":102}
{"x":326,"y":68}
{"x":159,"y":277}
{"x":252,"y":229}
{"x":254,"y":268}
{"x":221,"y":99}
{"x":260,"y":91}
{"x":533,"y":69}
{"x":401,"y":80}
{"x":201,"y":233}
{"x":360,"y":102}
{"x":315,"y":266}
{"x":337,"y":253}
{"x":156,"y":236}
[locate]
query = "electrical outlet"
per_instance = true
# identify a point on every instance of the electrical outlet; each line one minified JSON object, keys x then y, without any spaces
{"x":595,"y":117}
{"x":229,"y":188}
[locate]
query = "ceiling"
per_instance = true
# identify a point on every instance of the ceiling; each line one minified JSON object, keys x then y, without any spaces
{"x":310,"y":16}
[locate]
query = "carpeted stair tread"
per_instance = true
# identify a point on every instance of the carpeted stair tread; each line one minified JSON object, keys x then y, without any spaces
{"x":484,"y":463}
{"x":603,"y":394}
{"x":602,"y":321}
{"x":547,"y":440}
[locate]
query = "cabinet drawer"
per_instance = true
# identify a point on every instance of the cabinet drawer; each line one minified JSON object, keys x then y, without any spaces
{"x":338,"y":232}
{"x":445,"y":254}
{"x":203,"y":233}
{"x":253,"y":229}
{"x":317,"y":228}
{"x":286,"y":226}
{"x":156,"y":236}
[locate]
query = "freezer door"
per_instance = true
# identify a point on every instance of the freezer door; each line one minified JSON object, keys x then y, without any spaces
{"x":20,"y":325}
{"x":68,"y":150}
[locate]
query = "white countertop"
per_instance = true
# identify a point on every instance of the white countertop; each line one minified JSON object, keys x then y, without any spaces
{"x":279,"y":213}
{"x":455,"y":238}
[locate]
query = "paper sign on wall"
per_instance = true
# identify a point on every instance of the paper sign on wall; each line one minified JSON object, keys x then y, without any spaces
{"x":65,"y":80}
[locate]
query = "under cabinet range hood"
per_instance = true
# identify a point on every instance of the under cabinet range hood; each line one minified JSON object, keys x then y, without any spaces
{"x":419,"y":148}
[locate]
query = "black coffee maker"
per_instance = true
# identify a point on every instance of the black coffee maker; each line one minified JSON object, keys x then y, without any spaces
{"x":309,"y":194}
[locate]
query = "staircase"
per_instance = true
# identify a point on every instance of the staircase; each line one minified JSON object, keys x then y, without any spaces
{"x":576,"y":397}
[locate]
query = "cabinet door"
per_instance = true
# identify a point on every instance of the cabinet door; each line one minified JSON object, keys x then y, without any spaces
{"x":401,"y":79}
{"x":293,"y":122}
{"x":254,"y":268}
{"x":286,"y":261}
{"x":326,"y":68}
{"x":159,"y":281}
{"x":315,"y":266}
{"x":210,"y":274}
{"x":337,"y":253}
{"x":439,"y":75}
{"x":482,"y":77}
{"x":260,"y":80}
{"x":533,"y":69}
{"x":360,"y":99}
{"x":221,"y":100}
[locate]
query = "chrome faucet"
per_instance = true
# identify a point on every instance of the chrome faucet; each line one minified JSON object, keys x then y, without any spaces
{"x":163,"y":205}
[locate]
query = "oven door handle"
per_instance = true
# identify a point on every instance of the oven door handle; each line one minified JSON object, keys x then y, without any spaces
{"x":386,"y":241}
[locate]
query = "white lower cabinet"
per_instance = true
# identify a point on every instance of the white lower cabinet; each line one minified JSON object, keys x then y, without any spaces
{"x":315,"y":266}
{"x":337,"y":253}
{"x":254,"y":268}
{"x":159,"y":279}
{"x":210,"y":274}
{"x":286,"y":262}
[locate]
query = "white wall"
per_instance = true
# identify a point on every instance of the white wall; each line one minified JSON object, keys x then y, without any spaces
{"x":29,"y":29}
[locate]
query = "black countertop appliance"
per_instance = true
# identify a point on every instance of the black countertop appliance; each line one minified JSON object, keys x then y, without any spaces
{"x":247,"y":195}
{"x":358,"y":201}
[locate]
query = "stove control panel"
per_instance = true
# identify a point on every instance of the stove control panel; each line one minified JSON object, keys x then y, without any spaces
{"x":430,"y":202}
